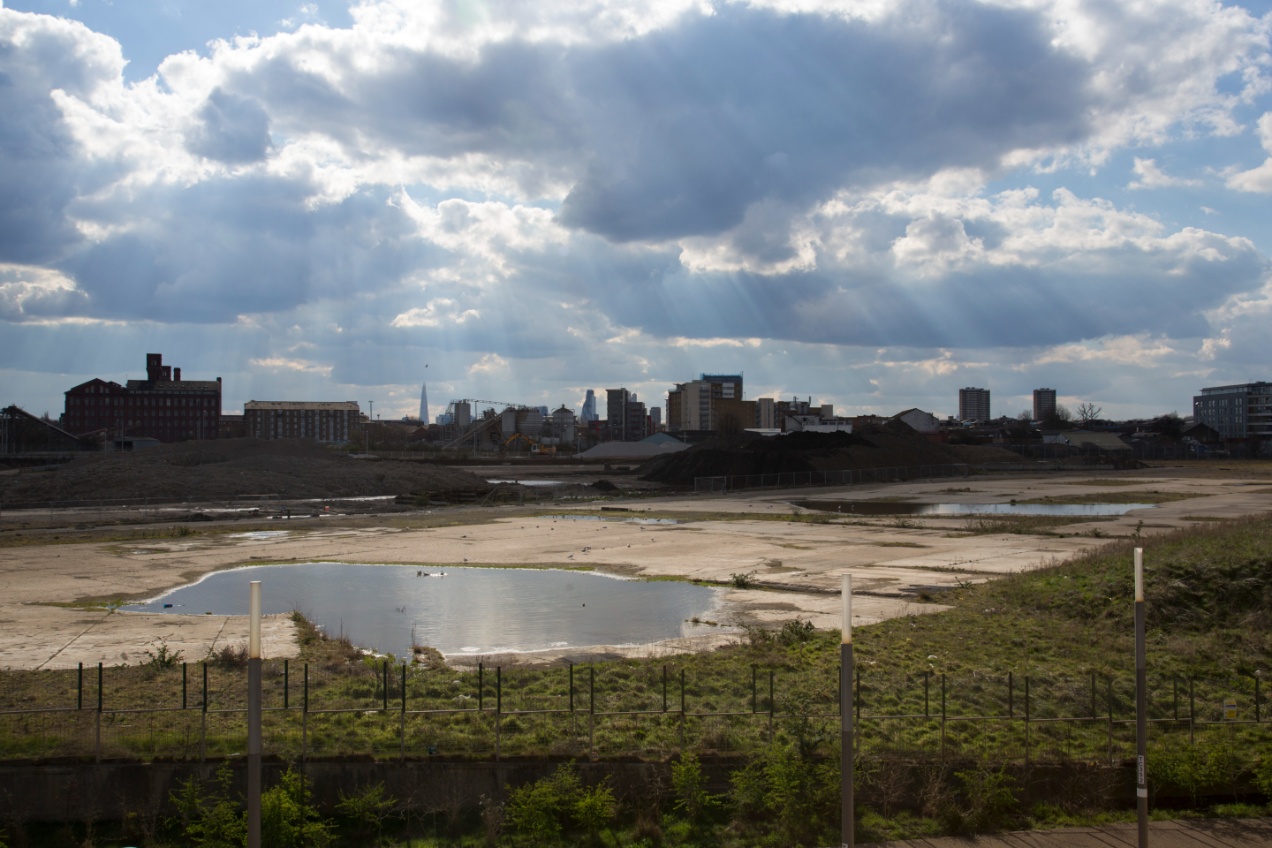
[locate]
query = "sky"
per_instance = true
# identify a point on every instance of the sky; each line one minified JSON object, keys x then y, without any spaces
{"x":869,"y":203}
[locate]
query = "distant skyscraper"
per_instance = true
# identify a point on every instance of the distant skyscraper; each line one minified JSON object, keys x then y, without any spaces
{"x":973,"y":404}
{"x":588,"y":414}
{"x":424,"y":403}
{"x":1044,"y":403}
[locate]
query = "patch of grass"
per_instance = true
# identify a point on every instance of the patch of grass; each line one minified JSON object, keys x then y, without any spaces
{"x":900,"y":545}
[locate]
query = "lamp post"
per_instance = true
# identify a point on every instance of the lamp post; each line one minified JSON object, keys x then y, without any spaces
{"x":846,"y":718}
{"x":1141,"y":704}
{"x":254,"y":720}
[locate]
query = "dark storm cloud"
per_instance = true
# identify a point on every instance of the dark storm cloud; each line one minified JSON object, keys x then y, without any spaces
{"x":231,"y":129}
{"x":225,"y":248}
{"x":692,"y":125}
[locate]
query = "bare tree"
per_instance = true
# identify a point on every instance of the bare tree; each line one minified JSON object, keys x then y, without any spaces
{"x":1089,"y":412}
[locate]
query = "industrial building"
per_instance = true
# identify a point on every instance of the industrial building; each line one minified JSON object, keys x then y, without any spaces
{"x":162,"y":406}
{"x":334,"y":422}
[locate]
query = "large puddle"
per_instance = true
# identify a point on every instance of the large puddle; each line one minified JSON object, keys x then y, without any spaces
{"x":904,"y":508}
{"x":390,"y":608}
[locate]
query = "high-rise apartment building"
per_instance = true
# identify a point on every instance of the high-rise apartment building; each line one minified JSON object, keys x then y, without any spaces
{"x":691,"y":406}
{"x":973,"y":404}
{"x":625,"y":416}
{"x":1236,"y":412}
{"x":1044,"y":403}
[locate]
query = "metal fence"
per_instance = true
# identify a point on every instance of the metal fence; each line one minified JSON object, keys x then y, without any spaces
{"x":386,"y":711}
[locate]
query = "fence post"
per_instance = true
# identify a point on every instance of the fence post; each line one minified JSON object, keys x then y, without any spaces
{"x":574,"y":728}
{"x":1109,"y":699}
{"x":98,"y":743}
{"x":682,"y":706}
{"x":591,"y":712}
{"x":203,"y":718}
{"x":942,"y":717}
{"x":384,"y":686}
{"x":79,"y":688}
{"x":402,"y":724}
{"x":498,"y":709}
{"x":771,"y":706}
{"x":1026,"y":719}
{"x":1192,"y":713}
{"x":304,"y":718}
{"x":481,"y":689}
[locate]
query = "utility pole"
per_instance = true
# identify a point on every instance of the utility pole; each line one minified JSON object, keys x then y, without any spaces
{"x":847,"y":816}
{"x":1141,"y":704}
{"x":254,"y":719}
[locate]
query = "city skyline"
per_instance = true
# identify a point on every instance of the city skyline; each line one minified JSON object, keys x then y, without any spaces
{"x":870,"y":204}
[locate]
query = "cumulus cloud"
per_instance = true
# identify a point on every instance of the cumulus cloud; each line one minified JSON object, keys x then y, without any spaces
{"x":1257,"y":179}
{"x":899,"y":187}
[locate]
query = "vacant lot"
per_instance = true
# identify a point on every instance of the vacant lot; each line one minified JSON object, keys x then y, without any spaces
{"x":780,"y":562}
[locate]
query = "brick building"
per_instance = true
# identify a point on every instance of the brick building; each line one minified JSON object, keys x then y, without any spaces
{"x":162,"y":406}
{"x":316,"y":421}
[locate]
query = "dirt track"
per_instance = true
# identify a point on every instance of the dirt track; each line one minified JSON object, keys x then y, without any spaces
{"x":796,"y":565}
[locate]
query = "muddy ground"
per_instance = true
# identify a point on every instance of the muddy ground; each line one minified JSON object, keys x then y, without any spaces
{"x":62,"y":572}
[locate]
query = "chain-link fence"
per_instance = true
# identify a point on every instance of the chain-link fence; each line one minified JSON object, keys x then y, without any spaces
{"x":386,"y":711}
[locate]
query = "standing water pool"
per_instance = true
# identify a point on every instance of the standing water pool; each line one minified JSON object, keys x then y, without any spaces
{"x":390,"y":608}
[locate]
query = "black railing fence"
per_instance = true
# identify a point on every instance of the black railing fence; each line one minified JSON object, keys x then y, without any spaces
{"x":382,"y":710}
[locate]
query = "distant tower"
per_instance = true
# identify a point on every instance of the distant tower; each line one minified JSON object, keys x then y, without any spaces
{"x":424,"y":404}
{"x":973,"y":404}
{"x":588,"y":414}
{"x":1044,"y":403}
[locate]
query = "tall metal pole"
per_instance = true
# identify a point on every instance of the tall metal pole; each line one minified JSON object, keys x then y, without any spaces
{"x":846,"y":718}
{"x":254,"y":720}
{"x":1141,"y":704}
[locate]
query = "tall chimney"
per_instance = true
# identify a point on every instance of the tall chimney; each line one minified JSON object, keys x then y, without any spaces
{"x":176,"y":375}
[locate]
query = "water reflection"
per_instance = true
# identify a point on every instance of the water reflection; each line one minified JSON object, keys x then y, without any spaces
{"x":902,"y":508}
{"x":469,"y":610}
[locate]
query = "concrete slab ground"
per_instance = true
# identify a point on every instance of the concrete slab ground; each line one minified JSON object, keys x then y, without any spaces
{"x":792,"y":568}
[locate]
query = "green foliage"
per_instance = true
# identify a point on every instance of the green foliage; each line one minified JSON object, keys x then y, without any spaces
{"x":1177,"y":764}
{"x":594,"y":809}
{"x":541,"y":810}
{"x":209,"y":818}
{"x":990,"y":802}
{"x":287,"y":821}
{"x":743,"y":581}
{"x":1263,"y":776}
{"x":689,"y":788}
{"x":789,"y":799}
{"x":368,"y":810}
{"x":162,"y":657}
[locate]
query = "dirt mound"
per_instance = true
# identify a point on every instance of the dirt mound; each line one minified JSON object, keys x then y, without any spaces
{"x":888,"y":446}
{"x":230,"y":468}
